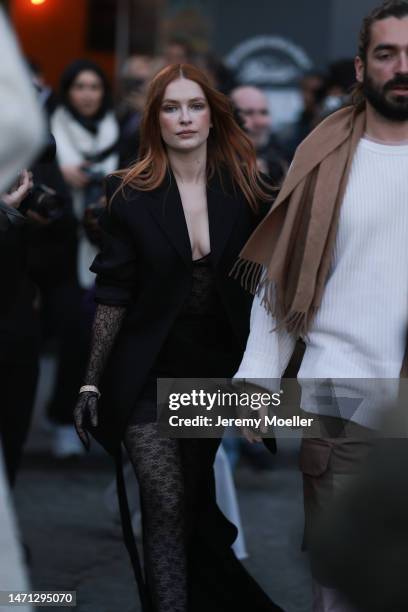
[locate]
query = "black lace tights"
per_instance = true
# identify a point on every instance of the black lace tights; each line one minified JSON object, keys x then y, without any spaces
{"x":157,"y":463}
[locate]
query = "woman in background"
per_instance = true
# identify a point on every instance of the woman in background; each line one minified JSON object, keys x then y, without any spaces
{"x":86,"y":133}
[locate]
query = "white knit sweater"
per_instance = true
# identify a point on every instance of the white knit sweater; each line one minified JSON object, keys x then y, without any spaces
{"x":360,"y":329}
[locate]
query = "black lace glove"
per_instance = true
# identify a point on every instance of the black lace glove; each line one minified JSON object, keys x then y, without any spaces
{"x":86,"y":409}
{"x":107,"y":323}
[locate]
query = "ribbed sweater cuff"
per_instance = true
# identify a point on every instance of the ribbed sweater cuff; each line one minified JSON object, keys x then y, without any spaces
{"x":259,"y":369}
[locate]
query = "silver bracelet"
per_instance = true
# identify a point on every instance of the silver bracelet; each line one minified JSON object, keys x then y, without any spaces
{"x":92,"y":388}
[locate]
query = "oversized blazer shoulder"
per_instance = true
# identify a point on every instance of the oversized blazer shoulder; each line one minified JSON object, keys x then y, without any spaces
{"x":145,"y":264}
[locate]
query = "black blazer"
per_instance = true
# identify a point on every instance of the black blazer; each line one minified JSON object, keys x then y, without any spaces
{"x":146,"y":265}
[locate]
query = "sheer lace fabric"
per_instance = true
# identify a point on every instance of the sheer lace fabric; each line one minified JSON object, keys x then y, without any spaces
{"x":158,"y":467}
{"x":107,"y":323}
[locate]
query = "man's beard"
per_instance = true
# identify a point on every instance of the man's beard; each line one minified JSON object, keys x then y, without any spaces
{"x":395,"y":109}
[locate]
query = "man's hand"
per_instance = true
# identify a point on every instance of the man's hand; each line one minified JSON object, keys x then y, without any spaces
{"x":250,"y":434}
{"x":248,"y":412}
{"x":18,"y":192}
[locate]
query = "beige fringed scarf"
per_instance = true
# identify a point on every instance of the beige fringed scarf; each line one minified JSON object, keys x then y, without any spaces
{"x":289,"y":254}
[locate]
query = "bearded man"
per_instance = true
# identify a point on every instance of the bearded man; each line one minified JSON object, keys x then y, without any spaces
{"x":330,"y":265}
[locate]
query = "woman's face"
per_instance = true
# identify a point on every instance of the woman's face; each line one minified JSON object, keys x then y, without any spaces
{"x":86,"y":93}
{"x":185,"y":117}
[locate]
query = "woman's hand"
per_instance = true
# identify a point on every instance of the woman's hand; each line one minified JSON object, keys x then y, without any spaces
{"x":86,"y":409}
{"x":106,"y":325}
{"x":17,"y":193}
{"x":75,"y":176}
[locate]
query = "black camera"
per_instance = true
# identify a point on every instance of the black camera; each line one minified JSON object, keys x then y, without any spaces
{"x":44,"y":201}
{"x":94,"y":204}
{"x":93,"y":190}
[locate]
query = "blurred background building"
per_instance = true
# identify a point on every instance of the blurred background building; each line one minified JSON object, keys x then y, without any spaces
{"x":268,"y":44}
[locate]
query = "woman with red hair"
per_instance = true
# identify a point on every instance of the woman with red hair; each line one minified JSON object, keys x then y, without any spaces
{"x":167,"y":308}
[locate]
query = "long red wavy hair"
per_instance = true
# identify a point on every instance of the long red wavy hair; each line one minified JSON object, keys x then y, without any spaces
{"x":228,"y":146}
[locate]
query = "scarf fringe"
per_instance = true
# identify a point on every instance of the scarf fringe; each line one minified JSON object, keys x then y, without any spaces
{"x":248,"y":273}
{"x":254,"y":278}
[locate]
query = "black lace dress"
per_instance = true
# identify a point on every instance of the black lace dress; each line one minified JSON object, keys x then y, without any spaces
{"x":189,"y":565}
{"x":200,"y":344}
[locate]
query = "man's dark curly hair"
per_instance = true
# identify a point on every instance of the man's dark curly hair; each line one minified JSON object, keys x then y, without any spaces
{"x":389,"y":8}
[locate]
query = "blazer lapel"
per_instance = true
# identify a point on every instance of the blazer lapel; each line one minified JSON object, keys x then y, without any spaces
{"x":222,"y":213}
{"x":167,"y":209}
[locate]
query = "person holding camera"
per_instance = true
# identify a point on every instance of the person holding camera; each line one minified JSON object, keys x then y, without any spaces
{"x":32,"y":217}
{"x":86,"y":134}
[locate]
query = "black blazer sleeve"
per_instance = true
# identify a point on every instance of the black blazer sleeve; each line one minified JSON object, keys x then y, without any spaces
{"x":115,"y":266}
